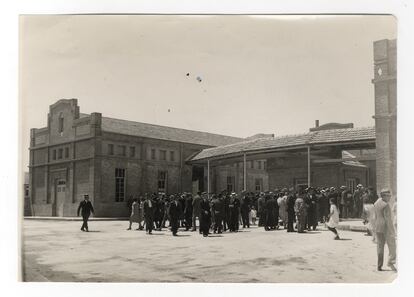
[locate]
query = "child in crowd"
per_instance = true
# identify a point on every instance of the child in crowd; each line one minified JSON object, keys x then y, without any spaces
{"x":253,"y":215}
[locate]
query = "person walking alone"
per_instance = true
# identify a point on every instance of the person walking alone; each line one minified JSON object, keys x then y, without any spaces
{"x":333,"y":221}
{"x":86,"y":208}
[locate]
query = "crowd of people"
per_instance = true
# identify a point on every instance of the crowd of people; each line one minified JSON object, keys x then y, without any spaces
{"x":295,"y":211}
{"x":282,"y":208}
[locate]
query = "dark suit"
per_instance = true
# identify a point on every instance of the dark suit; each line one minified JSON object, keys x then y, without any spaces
{"x":205,"y":217}
{"x":188,"y":213}
{"x":218,"y":210}
{"x":245,"y":209}
{"x":86,"y":208}
{"x":270,"y":221}
{"x":291,"y":212}
{"x":174,"y":212}
{"x":149,"y":210}
{"x":234,"y":214}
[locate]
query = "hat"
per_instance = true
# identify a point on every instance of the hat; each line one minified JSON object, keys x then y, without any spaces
{"x":359,"y":186}
{"x":385,"y":192}
{"x":343,"y":187}
{"x":332,"y":188}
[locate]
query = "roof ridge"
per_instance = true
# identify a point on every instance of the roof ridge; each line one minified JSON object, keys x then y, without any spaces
{"x":168,"y":127}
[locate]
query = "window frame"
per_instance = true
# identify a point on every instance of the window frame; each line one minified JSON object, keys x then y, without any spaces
{"x":110,"y":149}
{"x":120,"y":184}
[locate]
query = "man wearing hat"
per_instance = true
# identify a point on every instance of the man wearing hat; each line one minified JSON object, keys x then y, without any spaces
{"x":234,"y":206}
{"x":357,"y":197}
{"x":217,"y":208}
{"x":174,"y":212}
{"x":245,"y":209}
{"x":205,"y":215}
{"x":87,"y":209}
{"x":384,"y":229}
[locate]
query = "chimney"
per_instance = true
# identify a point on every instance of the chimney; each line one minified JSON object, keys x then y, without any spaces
{"x":316,"y":123}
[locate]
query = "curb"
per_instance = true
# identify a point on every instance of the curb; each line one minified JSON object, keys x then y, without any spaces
{"x":63,"y":219}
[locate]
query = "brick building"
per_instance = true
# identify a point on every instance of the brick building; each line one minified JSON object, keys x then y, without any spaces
{"x":385,"y":84}
{"x":111,"y":159}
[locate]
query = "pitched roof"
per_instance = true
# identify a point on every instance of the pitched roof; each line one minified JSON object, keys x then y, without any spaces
{"x":165,"y":133}
{"x":290,"y":141}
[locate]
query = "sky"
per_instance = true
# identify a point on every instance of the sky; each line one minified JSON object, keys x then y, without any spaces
{"x":246,"y":74}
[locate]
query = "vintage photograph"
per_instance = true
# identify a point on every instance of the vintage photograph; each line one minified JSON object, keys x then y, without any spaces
{"x":208,"y":148}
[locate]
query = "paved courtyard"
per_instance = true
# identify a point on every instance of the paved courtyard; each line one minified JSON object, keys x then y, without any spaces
{"x":59,"y":251}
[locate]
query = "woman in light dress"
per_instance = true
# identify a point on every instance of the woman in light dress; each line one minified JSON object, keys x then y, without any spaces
{"x":281,"y":201}
{"x":333,"y":221}
{"x":136,"y":214}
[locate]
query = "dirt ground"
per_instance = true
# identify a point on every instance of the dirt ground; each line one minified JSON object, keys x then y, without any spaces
{"x":58,"y":251}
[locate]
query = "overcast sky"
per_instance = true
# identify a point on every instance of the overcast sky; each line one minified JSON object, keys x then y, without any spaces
{"x":258,"y":74}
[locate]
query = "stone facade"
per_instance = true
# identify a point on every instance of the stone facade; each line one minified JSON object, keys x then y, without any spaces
{"x":385,"y":84}
{"x":106,"y":158}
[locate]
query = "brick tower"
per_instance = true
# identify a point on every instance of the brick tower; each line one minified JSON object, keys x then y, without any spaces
{"x":385,"y":83}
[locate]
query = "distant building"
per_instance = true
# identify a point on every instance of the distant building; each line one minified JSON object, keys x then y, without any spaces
{"x":112,"y":159}
{"x":329,"y":155}
{"x":385,"y":83}
{"x":26,"y":197}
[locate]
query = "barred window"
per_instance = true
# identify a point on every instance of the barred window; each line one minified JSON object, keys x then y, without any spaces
{"x":162,"y":181}
{"x":119,"y":184}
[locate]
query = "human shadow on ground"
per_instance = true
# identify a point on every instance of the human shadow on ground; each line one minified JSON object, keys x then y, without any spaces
{"x":92,"y":231}
{"x":215,"y":236}
{"x":311,"y":232}
{"x":183,"y":235}
{"x":345,"y":239}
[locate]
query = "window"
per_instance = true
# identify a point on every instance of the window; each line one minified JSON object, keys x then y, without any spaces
{"x":264,"y":165}
{"x":259,"y":164}
{"x":351,"y":184}
{"x":163,"y":155}
{"x":122,"y":150}
{"x":132,"y":151}
{"x":230,"y":184}
{"x":60,"y":153}
{"x":66,"y":152}
{"x":110,"y":149}
{"x":54,"y":154}
{"x":258,"y":184}
{"x":172,"y":156}
{"x":152,"y":154}
{"x":162,"y":181}
{"x":119,"y":184}
{"x":60,"y":128}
